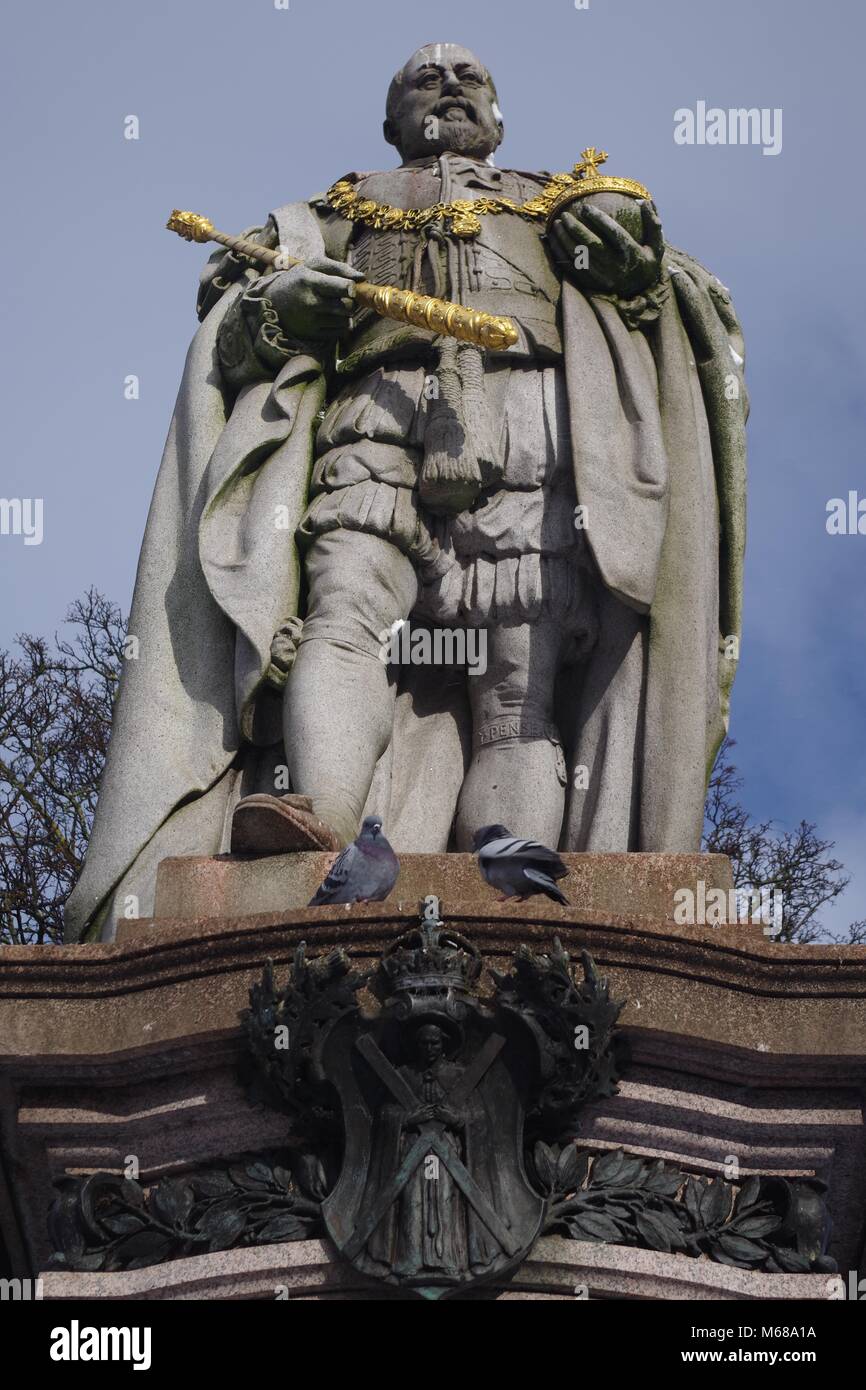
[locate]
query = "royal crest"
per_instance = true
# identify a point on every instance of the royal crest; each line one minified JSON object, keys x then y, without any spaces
{"x":431,"y":1099}
{"x":432,"y":1193}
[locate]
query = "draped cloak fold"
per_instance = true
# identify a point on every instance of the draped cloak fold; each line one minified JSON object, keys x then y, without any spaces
{"x":658,"y":442}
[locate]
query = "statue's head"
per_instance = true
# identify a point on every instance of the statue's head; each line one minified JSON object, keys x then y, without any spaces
{"x":443,"y":99}
{"x":429,"y":1044}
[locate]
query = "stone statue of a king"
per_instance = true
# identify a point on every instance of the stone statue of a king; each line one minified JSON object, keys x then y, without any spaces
{"x":574,"y":503}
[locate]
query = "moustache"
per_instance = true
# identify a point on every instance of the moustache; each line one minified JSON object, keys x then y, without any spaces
{"x":448,"y":102}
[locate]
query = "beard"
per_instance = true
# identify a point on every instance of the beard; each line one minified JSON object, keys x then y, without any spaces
{"x":464,"y":137}
{"x":470,"y":132}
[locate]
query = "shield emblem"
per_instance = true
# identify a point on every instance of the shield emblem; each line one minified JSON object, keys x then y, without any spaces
{"x":432,"y":1194}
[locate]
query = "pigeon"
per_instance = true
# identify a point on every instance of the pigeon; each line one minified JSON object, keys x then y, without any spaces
{"x":365,"y":872}
{"x":518,"y":868}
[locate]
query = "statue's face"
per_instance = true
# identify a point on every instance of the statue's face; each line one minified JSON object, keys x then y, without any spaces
{"x":429,"y":1044}
{"x":443,"y":100}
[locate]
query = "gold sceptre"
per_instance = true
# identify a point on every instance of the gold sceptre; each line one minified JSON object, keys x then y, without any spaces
{"x":455,"y":320}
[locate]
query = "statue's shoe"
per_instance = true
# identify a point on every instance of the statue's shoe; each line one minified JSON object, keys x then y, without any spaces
{"x":264,"y":824}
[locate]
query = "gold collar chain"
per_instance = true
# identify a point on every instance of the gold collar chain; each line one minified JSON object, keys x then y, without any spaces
{"x":462,"y":217}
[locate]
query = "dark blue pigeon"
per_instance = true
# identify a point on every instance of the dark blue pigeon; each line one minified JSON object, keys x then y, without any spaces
{"x":518,"y":868}
{"x":365,"y":872}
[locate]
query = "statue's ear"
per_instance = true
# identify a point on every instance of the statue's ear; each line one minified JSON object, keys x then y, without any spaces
{"x":499,"y":122}
{"x":389,"y":131}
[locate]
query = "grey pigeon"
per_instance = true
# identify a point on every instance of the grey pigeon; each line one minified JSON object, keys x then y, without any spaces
{"x":365,"y":872}
{"x":518,"y":868}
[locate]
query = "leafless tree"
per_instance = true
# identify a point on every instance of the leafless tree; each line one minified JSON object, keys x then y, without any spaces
{"x":797,"y":863}
{"x":55,"y":716}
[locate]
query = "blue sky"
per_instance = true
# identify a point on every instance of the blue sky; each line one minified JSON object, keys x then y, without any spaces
{"x":243,"y":107}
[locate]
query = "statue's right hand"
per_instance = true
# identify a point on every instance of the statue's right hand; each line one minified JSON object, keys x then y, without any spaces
{"x":314,"y":300}
{"x":422,"y":1116}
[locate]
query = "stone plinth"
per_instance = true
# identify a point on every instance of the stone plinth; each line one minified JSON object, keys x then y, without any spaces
{"x":234,"y":886}
{"x":557,"y":1269}
{"x":737,"y":1046}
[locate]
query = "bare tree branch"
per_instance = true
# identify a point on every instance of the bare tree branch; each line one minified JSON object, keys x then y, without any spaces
{"x":796,"y":863}
{"x":55,"y":719}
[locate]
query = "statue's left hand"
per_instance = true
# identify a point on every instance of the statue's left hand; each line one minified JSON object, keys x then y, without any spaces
{"x":452,"y":1119}
{"x":618,"y":264}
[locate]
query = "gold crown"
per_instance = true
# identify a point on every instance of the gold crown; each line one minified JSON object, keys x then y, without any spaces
{"x":585,"y":180}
